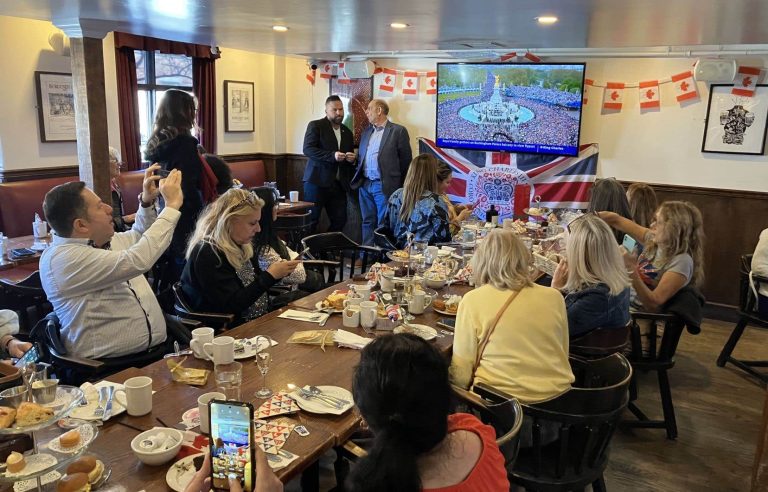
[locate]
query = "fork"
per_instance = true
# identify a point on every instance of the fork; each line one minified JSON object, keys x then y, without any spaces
{"x":323,"y":398}
{"x":318,"y":392}
{"x":99,"y":412}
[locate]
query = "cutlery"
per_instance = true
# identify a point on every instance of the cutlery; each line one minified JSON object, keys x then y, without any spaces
{"x":322,"y":398}
{"x":327,"y":317}
{"x":178,"y":354}
{"x":314,"y":317}
{"x":317,"y":391}
{"x":99,"y":412}
{"x":108,"y":406}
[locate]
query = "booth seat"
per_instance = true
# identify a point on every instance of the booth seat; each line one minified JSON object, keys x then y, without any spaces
{"x":21,"y":200}
{"x":250,"y":173}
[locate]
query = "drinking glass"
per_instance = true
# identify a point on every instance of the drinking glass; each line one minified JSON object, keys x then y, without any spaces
{"x":229,"y":377}
{"x":262,"y":361}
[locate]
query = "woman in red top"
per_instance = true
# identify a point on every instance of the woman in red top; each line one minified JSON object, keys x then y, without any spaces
{"x":401,"y":388}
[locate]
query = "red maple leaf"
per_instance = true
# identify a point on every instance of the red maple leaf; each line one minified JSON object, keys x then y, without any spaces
{"x":327,"y":68}
{"x":388,"y":79}
{"x":684,"y":86}
{"x":432,"y":82}
{"x":747,"y":81}
{"x":614,"y":95}
{"x":410,"y":82}
{"x":649,"y":94}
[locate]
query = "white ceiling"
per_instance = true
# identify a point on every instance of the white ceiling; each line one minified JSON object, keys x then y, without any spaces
{"x":333,"y":29}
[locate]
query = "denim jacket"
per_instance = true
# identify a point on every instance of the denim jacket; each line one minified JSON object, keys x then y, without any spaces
{"x":595,"y":307}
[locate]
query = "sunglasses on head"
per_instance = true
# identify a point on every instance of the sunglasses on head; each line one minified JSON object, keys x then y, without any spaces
{"x":568,"y":226}
{"x":250,"y":199}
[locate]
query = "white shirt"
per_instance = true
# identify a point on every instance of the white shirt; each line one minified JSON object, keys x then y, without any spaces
{"x":760,"y":260}
{"x":101,"y":296}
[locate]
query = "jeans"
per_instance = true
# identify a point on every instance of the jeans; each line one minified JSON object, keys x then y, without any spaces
{"x":333,"y":199}
{"x":373,"y":208}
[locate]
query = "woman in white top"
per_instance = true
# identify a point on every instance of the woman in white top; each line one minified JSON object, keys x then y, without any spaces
{"x":760,"y":267}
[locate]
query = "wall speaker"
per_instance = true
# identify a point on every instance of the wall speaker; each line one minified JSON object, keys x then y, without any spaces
{"x":715,"y":71}
{"x":59,"y":43}
{"x":359,"y":69}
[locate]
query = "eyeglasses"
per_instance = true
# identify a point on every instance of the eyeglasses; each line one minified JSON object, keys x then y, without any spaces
{"x":250,"y":198}
{"x":568,"y":226}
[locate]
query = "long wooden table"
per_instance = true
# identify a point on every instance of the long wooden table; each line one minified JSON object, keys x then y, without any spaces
{"x":292,"y":363}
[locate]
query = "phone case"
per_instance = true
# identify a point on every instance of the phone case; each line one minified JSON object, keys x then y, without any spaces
{"x":250,"y":416}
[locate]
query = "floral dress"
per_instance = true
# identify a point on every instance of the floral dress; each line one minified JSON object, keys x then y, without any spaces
{"x":428,"y":221}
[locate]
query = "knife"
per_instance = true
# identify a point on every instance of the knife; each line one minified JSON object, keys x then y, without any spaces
{"x":108,"y":405}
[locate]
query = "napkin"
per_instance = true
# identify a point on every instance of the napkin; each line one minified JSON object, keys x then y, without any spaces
{"x":313,"y":337}
{"x":348,"y":339}
{"x":194,"y":377}
{"x":297,"y":315}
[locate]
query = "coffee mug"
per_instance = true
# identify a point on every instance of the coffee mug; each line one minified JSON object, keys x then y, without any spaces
{"x":293,"y":196}
{"x":363,"y":292}
{"x":350,"y":318}
{"x":419,"y":302}
{"x":202,"y":408}
{"x":387,"y":282}
{"x":353,"y":302}
{"x":221,"y":350}
{"x":40,"y":229}
{"x":138,"y":395}
{"x":368,"y":310}
{"x":200,"y":336}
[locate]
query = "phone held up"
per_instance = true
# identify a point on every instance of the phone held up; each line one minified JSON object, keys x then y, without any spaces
{"x":629,"y":243}
{"x":231,"y":443}
{"x":30,"y":357}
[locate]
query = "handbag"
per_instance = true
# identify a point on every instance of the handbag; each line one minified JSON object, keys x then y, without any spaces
{"x":488,"y":334}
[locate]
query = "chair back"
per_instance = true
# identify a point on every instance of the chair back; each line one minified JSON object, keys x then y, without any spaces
{"x":293,"y":228}
{"x":570,"y":435}
{"x":337,"y":247}
{"x":217,"y":321}
{"x":384,"y":238}
{"x":748,"y":302}
{"x":22,"y":295}
{"x":601,"y":342}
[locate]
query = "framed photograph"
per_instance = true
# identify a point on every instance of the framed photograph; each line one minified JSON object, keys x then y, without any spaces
{"x":55,"y":107}
{"x":735,"y":124}
{"x":238,"y":106}
{"x":355,"y":96}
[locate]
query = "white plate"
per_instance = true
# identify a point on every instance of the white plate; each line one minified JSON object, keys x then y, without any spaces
{"x":67,"y":398}
{"x":92,"y":395}
{"x":36,"y":464}
{"x":31,"y":484}
{"x":447,"y":313}
{"x":423,"y":331}
{"x":252,"y":348}
{"x":319,"y":305}
{"x":313,"y":405}
{"x":87,"y":434}
{"x":181,"y":473}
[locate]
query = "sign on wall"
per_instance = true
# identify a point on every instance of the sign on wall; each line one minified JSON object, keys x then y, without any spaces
{"x":735,"y":124}
{"x":55,"y":107}
{"x":238,"y":106}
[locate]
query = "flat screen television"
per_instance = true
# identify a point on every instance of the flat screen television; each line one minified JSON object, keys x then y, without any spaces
{"x":510,"y":107}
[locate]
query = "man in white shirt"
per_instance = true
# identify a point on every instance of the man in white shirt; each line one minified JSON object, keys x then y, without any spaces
{"x":94,"y":278}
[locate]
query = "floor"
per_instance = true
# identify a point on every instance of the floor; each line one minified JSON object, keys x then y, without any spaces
{"x":718,"y":415}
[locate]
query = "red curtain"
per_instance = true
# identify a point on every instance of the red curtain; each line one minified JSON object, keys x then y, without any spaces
{"x":204,"y":84}
{"x":128,"y":108}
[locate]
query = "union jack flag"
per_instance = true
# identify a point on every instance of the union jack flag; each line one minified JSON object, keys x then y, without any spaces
{"x":486,"y":178}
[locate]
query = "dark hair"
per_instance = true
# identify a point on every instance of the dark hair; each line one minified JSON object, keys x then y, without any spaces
{"x":333,"y":98}
{"x":608,"y":195}
{"x":401,"y":388}
{"x":175,"y":115}
{"x":267,"y":238}
{"x":444,"y":171}
{"x":222,"y":171}
{"x":62,"y":205}
{"x":642,"y":203}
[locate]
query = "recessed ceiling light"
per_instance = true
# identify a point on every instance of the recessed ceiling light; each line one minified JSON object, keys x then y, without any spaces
{"x":546,"y":19}
{"x":398,"y":25}
{"x":279,"y":28}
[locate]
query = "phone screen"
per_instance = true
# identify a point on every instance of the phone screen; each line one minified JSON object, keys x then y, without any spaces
{"x":30,"y":357}
{"x":162,"y":172}
{"x":231,"y":428}
{"x":449,"y":323}
{"x":629,"y":243}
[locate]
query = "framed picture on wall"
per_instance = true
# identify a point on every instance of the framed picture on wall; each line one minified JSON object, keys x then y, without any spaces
{"x":238,"y":106}
{"x":55,"y":107}
{"x":735,"y":124}
{"x":355,"y":96}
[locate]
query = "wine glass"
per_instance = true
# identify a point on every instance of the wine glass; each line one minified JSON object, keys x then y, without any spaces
{"x":263,"y":360}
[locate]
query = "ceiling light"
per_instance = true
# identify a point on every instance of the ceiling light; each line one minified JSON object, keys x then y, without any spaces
{"x":398,"y":25}
{"x":279,"y":28}
{"x":546,"y":19}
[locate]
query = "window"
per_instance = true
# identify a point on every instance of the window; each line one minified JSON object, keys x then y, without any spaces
{"x":156,"y":73}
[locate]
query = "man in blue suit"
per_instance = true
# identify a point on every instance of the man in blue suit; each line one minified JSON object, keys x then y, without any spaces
{"x":385,"y":153}
{"x":330,"y":147}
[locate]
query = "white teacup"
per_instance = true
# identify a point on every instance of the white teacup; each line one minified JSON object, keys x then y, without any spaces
{"x":293,"y":196}
{"x":368,"y":311}
{"x":387,"y":282}
{"x":200,"y":336}
{"x":138,"y":395}
{"x":419,"y":302}
{"x":353,"y":302}
{"x":221,"y":350}
{"x":363,"y":292}
{"x":350,"y":318}
{"x":202,"y":408}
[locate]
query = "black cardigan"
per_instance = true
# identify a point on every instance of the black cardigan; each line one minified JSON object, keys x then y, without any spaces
{"x":211,"y":284}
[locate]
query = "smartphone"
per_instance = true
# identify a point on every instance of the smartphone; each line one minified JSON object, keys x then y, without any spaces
{"x":22,"y":252}
{"x":629,"y":243}
{"x":30,"y":357}
{"x":231,"y":427}
{"x":162,"y":172}
{"x":447,"y":323}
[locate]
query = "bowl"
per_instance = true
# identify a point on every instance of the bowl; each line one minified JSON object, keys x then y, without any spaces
{"x":44,"y":391}
{"x":434,"y":282}
{"x":140,"y":445}
{"x":13,"y":397}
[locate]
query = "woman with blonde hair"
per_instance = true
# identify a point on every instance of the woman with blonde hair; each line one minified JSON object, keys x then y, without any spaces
{"x":592,"y":278}
{"x":222,"y":274}
{"x":417,"y":207}
{"x":642,"y":203}
{"x":673,"y":254}
{"x":511,"y":333}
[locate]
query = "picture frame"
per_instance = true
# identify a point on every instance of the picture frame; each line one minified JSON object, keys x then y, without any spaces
{"x":735,"y":124}
{"x":238,"y":106}
{"x":55,"y":107}
{"x":355,"y":95}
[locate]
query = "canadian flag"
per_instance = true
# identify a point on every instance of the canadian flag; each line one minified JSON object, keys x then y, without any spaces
{"x":311,"y":77}
{"x":530,"y":56}
{"x":587,"y":83}
{"x":327,"y":70}
{"x":649,"y":94}
{"x":746,"y":81}
{"x":685,"y":86}
{"x":431,"y":83}
{"x":343,"y":77}
{"x":613,"y":95}
{"x":508,"y":56}
{"x":410,"y":83}
{"x":388,"y":80}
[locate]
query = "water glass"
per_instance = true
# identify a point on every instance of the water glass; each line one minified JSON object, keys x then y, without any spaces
{"x":229,"y":377}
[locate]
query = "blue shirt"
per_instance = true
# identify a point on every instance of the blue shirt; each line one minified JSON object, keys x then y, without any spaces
{"x":371,"y":159}
{"x":428,"y":221}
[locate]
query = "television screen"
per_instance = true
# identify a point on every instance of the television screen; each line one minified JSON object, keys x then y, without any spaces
{"x":532,"y":108}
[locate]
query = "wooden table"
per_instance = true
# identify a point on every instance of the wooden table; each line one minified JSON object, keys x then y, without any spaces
{"x":293,"y":207}
{"x":6,"y":263}
{"x":292,"y":363}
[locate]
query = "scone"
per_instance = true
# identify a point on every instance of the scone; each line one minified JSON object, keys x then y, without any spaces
{"x":15,"y":462}
{"x":31,"y":413}
{"x":7,"y":415}
{"x":70,"y":439}
{"x":89,"y":465}
{"x":438,"y":304}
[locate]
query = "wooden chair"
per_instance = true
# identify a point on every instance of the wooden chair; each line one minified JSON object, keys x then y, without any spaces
{"x":349,"y":257}
{"x":21,"y":296}
{"x":384,"y":239}
{"x":748,"y":315}
{"x":217,"y":321}
{"x":601,"y":342}
{"x":293,"y":228}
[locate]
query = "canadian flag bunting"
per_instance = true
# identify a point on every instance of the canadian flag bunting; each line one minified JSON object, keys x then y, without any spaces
{"x":431,"y":83}
{"x":311,"y":76}
{"x":746,"y":81}
{"x":649,"y":94}
{"x":343,"y":77}
{"x":587,"y":83}
{"x":530,"y":56}
{"x":613,"y":95}
{"x":388,"y":80}
{"x":508,"y":56}
{"x":410,"y":83}
{"x":685,"y":86}
{"x":327,"y":70}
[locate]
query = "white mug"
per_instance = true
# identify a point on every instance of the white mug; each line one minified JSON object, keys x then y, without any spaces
{"x":419,"y":302}
{"x":202,"y":408}
{"x":293,"y":196}
{"x":221,"y":350}
{"x":40,"y":229}
{"x":368,"y":311}
{"x":350,"y":318}
{"x":387,"y":283}
{"x":138,"y":395}
{"x":353,"y":302}
{"x":363,"y":292}
{"x":200,"y":336}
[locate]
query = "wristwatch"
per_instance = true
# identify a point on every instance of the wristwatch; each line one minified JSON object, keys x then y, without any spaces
{"x":145,"y":204}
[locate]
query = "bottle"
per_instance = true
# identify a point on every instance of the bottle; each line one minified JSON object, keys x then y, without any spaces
{"x":492,"y":215}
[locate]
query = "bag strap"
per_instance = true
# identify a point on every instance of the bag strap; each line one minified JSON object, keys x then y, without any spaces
{"x":488,"y":334}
